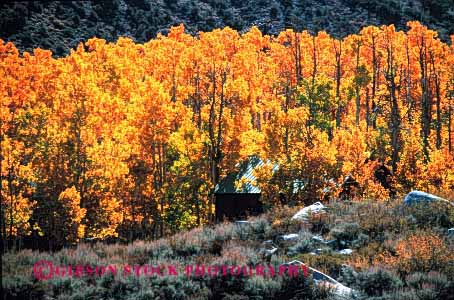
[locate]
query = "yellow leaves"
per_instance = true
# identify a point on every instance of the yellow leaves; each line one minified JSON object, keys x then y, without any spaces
{"x":352,"y":150}
{"x":263,"y":175}
{"x":37,"y":229}
{"x":18,"y":211}
{"x":188,"y":141}
{"x":72,"y":213}
{"x":109,"y":216}
{"x":17,"y":182}
{"x":80,"y":231}
{"x":71,"y":198}
{"x":411,"y":166}
{"x":136,"y":123}
{"x":355,"y":158}
{"x":440,"y":170}
{"x":251,"y":143}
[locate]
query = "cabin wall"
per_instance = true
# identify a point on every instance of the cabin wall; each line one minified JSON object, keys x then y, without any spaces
{"x":237,"y":206}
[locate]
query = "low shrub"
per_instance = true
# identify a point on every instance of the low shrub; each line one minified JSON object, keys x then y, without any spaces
{"x":431,"y":285}
{"x":387,"y":239}
{"x":301,"y":287}
{"x":304,"y":244}
{"x":377,"y":282}
{"x":345,"y":233}
{"x":238,"y":253}
{"x":431,"y":215}
{"x":22,"y":288}
{"x":280,"y":227}
{"x":376,"y":219}
{"x":422,"y":251}
{"x":261,"y":288}
{"x":320,"y":223}
{"x":329,"y":263}
{"x":260,"y":228}
{"x":187,"y":243}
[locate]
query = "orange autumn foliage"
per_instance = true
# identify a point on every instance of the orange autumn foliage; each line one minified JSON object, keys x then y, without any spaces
{"x":143,"y":133}
{"x":423,"y":251}
{"x":419,"y":252}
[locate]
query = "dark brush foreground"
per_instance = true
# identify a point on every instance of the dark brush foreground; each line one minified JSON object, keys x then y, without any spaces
{"x":396,"y":250}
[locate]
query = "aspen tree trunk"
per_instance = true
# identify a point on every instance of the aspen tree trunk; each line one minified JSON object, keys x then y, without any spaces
{"x":374,"y":81}
{"x":314,"y":74}
{"x":450,"y":124}
{"x":3,"y":220}
{"x":338,"y":53}
{"x":409,"y":100}
{"x":357,"y":89}
{"x":395,"y":113}
{"x":286,"y":108}
{"x":11,"y":208}
{"x":438,"y":102}
{"x":367,"y":109}
{"x":215,"y":137}
{"x":425,"y":101}
{"x":297,"y":55}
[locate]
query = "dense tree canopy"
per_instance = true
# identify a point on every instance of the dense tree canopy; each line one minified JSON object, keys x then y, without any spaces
{"x":129,"y":140}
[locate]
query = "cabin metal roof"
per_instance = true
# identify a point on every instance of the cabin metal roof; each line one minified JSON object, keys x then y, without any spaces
{"x":246,"y":174}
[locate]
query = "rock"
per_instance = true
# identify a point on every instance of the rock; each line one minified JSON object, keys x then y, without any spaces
{"x":288,"y":237}
{"x":242,"y":229}
{"x":346,"y":251}
{"x":451,"y":232}
{"x":269,"y":247}
{"x":318,"y":238}
{"x":415,"y":197}
{"x":270,"y":251}
{"x":321,"y":240}
{"x":304,"y":213}
{"x":317,"y":251}
{"x":268,"y":242}
{"x":242,"y":223}
{"x":339,"y":290}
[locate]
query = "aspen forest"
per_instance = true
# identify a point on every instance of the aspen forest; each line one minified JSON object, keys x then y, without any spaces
{"x":127,"y":141}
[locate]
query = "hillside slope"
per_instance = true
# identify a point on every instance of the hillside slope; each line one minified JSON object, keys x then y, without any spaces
{"x":394,"y":250}
{"x":60,"y":26}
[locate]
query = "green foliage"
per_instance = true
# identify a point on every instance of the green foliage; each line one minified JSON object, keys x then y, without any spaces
{"x":431,"y":286}
{"x":345,"y":233}
{"x":260,"y":228}
{"x":376,"y":282}
{"x":304,"y":244}
{"x":432,"y":215}
{"x":317,"y":98}
{"x":301,"y":288}
{"x":22,"y":287}
{"x":262,"y":287}
{"x":329,"y":263}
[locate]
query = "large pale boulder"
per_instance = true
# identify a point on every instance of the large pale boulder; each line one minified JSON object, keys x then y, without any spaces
{"x":415,"y":197}
{"x":305,"y":213}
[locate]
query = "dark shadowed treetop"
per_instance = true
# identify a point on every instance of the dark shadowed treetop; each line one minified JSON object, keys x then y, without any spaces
{"x":61,"y":25}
